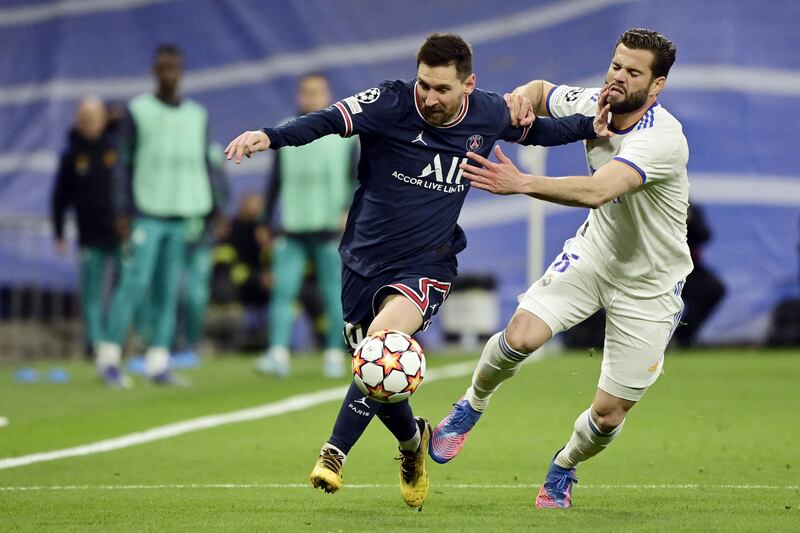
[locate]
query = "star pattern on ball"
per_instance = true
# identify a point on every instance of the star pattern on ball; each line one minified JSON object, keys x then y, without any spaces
{"x":389,"y":362}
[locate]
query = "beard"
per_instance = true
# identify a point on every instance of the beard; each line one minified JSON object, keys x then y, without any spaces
{"x":438,"y":115}
{"x":632,"y":102}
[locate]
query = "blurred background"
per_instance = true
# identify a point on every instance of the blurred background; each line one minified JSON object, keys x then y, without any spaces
{"x":735,"y":88}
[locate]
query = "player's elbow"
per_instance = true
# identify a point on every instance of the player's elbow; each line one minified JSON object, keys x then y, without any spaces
{"x":534,"y":91}
{"x":596,"y":199}
{"x":599,"y":194}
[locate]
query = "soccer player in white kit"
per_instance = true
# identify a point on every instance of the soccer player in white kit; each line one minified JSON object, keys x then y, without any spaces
{"x":629,"y":257}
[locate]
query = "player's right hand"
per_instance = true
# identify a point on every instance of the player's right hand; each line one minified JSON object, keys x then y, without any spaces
{"x":246,"y":144}
{"x":602,"y":122}
{"x":520,"y":109}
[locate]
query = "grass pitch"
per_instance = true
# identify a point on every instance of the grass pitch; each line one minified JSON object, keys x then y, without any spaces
{"x":711,"y":447}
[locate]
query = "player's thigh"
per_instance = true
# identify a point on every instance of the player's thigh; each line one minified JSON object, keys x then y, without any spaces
{"x":567,"y":294}
{"x":403,"y":300}
{"x":637,"y":333}
{"x":397,"y":312}
{"x":415,"y":295}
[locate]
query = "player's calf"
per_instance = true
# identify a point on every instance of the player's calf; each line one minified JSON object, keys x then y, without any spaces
{"x":586,"y":441}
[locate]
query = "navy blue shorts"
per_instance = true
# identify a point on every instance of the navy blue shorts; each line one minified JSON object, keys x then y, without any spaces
{"x":427,"y":286}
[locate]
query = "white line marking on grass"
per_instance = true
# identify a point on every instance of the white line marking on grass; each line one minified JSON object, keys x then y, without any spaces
{"x":3,"y":421}
{"x":190,"y":486}
{"x":293,"y":403}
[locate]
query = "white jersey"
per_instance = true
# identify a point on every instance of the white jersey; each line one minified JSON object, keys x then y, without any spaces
{"x":639,"y":238}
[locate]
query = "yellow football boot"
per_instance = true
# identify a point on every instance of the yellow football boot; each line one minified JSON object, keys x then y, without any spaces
{"x":413,"y":471}
{"x":327,"y":472}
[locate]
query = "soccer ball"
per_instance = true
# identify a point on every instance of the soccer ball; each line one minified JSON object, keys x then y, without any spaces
{"x":388,"y":366}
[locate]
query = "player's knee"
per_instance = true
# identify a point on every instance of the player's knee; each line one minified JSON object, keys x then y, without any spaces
{"x":608,"y":418}
{"x":525,"y":334}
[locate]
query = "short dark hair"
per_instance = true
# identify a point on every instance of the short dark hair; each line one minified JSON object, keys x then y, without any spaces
{"x":444,"y":49}
{"x":167,"y":49}
{"x":663,"y":49}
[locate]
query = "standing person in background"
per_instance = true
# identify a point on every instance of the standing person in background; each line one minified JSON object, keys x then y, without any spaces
{"x":162,"y":183}
{"x":314,"y":184}
{"x":195,"y":279}
{"x":704,"y":290}
{"x":84,"y":182}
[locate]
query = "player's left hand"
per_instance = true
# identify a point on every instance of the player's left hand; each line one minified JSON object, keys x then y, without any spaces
{"x":601,"y":119}
{"x":520,"y":109}
{"x":246,"y":144}
{"x":498,"y":178}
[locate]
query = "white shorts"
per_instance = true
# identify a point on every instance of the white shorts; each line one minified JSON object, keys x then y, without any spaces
{"x":637,"y":329}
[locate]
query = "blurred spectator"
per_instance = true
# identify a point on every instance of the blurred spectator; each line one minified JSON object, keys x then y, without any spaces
{"x":242,"y":269}
{"x":195,"y":280}
{"x":703,"y":289}
{"x":243,"y":274}
{"x":246,"y":254}
{"x":84,"y":183}
{"x":784,"y":328}
{"x":162,"y":183}
{"x":195,"y":286}
{"x":314,"y":185}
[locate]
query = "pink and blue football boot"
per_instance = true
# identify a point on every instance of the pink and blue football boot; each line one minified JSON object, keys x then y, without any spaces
{"x":451,"y":433}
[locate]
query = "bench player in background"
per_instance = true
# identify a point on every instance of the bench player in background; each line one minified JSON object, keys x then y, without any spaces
{"x":630,"y":256}
{"x":401,"y":238}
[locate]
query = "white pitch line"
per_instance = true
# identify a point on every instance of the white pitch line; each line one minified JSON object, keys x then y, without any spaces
{"x":3,"y":421}
{"x":194,"y":486}
{"x":293,"y":403}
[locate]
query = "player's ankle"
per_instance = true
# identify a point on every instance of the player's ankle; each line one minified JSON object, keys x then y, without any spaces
{"x":337,"y":451}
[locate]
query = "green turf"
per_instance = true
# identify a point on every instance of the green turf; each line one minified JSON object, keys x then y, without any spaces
{"x":715,"y":425}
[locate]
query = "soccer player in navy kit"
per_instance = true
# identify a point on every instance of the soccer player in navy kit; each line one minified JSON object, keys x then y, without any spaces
{"x":400,"y":243}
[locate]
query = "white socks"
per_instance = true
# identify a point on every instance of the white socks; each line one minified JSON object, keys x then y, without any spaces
{"x":156,"y":361}
{"x":498,"y":363}
{"x":108,"y":354}
{"x":333,"y":363}
{"x":411,"y":445}
{"x":333,"y":356}
{"x":279,"y":354}
{"x":328,"y":446}
{"x":586,"y":441}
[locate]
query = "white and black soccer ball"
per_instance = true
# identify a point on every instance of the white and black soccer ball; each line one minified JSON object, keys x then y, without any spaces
{"x":388,"y":366}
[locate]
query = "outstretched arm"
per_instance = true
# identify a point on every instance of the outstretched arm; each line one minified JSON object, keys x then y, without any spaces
{"x":296,"y":132}
{"x":547,"y":131}
{"x":610,"y":181}
{"x":536,"y":92}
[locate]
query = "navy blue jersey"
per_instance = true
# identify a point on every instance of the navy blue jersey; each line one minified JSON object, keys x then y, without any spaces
{"x":411,"y":188}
